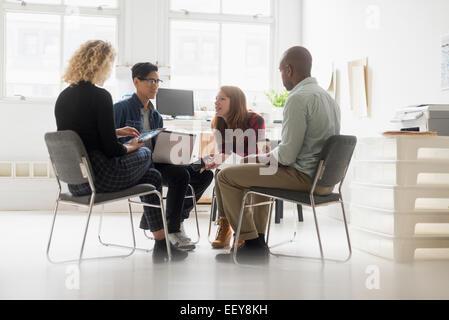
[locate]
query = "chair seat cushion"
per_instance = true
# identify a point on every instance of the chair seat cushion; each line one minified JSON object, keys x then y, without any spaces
{"x":110,"y":196}
{"x":297,"y":196}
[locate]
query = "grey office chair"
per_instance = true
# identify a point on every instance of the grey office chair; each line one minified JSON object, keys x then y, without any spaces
{"x":279,"y":205}
{"x":72,"y":166}
{"x":334,"y":162}
{"x":213,"y":214}
{"x":193,"y":197}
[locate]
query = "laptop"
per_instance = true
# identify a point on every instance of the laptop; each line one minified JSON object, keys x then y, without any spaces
{"x":174,"y":148}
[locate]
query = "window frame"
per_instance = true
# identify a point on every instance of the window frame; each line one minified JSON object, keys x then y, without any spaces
{"x":54,"y":9}
{"x":222,"y":18}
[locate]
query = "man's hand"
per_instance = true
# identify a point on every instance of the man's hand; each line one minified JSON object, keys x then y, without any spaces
{"x":127,"y":132}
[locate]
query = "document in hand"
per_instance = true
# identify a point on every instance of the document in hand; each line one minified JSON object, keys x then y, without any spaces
{"x":231,"y":160}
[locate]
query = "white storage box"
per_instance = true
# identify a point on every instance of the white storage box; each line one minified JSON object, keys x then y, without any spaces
{"x":400,"y":224}
{"x":410,"y":199}
{"x":400,"y":249}
{"x":402,"y":148}
{"x":402,"y":173}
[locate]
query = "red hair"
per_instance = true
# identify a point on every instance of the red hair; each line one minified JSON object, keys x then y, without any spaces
{"x":238,"y":115}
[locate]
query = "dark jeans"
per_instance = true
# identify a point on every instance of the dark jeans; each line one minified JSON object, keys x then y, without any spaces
{"x":177,"y":179}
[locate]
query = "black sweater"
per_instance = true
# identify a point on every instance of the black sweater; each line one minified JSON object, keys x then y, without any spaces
{"x":88,"y":110}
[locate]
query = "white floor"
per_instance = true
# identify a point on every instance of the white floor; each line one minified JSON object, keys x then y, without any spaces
{"x":26,"y":274}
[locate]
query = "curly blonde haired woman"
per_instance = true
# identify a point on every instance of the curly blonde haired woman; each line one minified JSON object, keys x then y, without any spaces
{"x":88,"y":110}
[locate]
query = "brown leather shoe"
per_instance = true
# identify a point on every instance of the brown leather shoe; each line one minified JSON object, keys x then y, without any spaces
{"x":224,"y":234}
{"x":240,"y":243}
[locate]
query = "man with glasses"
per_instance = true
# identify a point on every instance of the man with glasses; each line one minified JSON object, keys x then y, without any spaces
{"x":139,"y":112}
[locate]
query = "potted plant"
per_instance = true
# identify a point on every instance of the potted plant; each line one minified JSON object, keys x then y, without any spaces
{"x":277,"y":99}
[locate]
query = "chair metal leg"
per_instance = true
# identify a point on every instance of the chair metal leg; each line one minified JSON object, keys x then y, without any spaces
{"x":239,"y":227}
{"x":193,"y":197}
{"x":212,"y":214}
{"x":279,"y":211}
{"x":100,"y":228}
{"x":196,"y":214}
{"x":300,"y":213}
{"x":346,"y":229}
{"x":164,"y":221}
{"x":149,"y":237}
{"x":52,"y":229}
{"x":285,"y":241}
{"x":320,"y":244}
{"x":86,"y":228}
{"x":317,"y":229}
{"x":215,"y":211}
{"x":321,"y":258}
{"x":80,"y":259}
{"x":273,"y":204}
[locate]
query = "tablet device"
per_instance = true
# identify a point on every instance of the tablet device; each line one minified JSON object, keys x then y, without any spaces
{"x":148,"y":135}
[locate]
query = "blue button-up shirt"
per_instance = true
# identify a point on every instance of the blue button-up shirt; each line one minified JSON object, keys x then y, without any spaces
{"x":128,"y":114}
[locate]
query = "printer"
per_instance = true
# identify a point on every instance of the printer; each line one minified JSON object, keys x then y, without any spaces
{"x":423,"y":118}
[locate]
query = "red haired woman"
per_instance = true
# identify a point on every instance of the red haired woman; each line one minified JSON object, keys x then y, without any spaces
{"x":236,"y":130}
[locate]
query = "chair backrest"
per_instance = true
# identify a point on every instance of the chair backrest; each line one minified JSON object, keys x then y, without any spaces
{"x":336,"y":154}
{"x":66,"y":151}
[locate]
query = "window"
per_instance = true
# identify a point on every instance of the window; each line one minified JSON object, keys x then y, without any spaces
{"x":42,"y":35}
{"x":221,"y":42}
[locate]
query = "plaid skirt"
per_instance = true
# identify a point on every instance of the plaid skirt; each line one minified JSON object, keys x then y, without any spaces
{"x":119,"y":173}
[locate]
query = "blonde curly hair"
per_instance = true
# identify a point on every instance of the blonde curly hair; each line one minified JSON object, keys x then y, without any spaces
{"x":92,"y":62}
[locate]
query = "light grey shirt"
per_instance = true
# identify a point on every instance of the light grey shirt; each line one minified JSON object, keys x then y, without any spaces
{"x":145,"y":118}
{"x":311,"y":116}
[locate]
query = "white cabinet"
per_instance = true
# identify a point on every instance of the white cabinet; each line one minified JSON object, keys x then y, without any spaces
{"x":400,"y":196}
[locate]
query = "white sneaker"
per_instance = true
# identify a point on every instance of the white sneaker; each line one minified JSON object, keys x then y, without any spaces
{"x":179,"y":242}
{"x":183,"y":234}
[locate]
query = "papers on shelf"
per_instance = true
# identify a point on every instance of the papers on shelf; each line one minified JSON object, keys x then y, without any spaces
{"x":357,"y":73}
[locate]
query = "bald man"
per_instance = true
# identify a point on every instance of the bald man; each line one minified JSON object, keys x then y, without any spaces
{"x":311,"y":116}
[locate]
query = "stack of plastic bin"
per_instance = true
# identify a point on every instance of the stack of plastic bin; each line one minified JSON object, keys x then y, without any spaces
{"x":400,"y":196}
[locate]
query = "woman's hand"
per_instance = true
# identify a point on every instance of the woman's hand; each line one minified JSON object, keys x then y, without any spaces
{"x":213,"y":162}
{"x":133,"y":145}
{"x":127,"y":132}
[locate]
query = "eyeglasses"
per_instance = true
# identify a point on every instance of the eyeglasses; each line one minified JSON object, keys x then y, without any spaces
{"x":152,"y":81}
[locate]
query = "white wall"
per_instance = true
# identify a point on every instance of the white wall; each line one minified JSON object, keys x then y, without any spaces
{"x":401,"y":39}
{"x":403,"y":52}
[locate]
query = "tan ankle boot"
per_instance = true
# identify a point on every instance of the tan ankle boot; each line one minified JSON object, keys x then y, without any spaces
{"x":224,"y":234}
{"x":241,"y":242}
